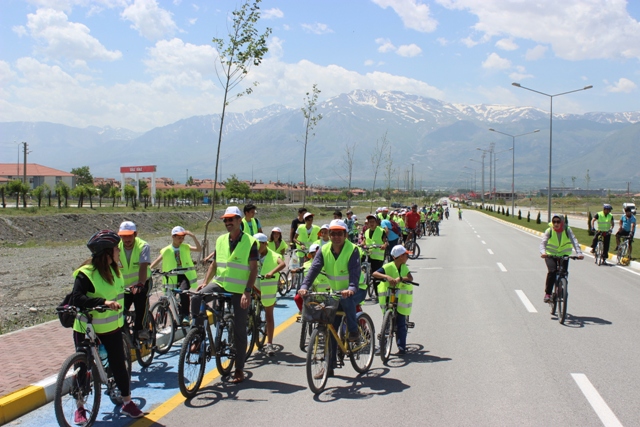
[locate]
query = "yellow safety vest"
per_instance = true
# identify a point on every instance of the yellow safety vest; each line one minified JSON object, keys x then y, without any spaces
{"x":559,"y":248}
{"x":110,"y":320}
{"x":404,"y":292}
{"x":376,"y":239}
{"x":338,"y":269}
{"x":321,"y":284}
{"x":131,"y":270}
{"x":232,"y":271}
{"x":268,"y":287}
{"x":169,"y":263}
{"x":280,"y":250}
{"x":307,"y":238}
{"x":245,"y":226}
{"x":604,"y":221}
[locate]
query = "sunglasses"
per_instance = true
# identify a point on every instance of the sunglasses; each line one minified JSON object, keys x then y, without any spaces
{"x":226,"y":220}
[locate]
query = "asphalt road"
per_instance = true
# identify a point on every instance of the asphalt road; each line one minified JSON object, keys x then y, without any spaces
{"x":485,"y":350}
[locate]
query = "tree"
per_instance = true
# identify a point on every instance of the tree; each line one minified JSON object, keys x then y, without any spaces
{"x":311,"y":119}
{"x":3,"y":189}
{"x":244,"y":48}
{"x":130,"y":194}
{"x":236,"y":188}
{"x":80,"y":192}
{"x":528,"y":216}
{"x":47,"y":193}
{"x":83,"y":175}
{"x":519,"y":214}
{"x":146,"y":195}
{"x":15,"y":187}
{"x":347,"y":165}
{"x":114,"y":194}
{"x":63,"y":191}
{"x":538,"y":221}
{"x":389,"y":172}
{"x":38,"y":193}
{"x":376,"y":159}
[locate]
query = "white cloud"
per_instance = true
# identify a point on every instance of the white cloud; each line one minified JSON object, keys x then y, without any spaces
{"x":385,"y":45}
{"x":369,"y":62}
{"x":517,"y":76}
{"x":414,"y":14}
{"x":506,"y":44}
{"x":409,"y":50}
{"x":63,"y":39}
{"x":317,"y":28}
{"x":272,"y":13}
{"x":151,"y":21}
{"x":175,"y":56}
{"x":193,"y":21}
{"x":469,"y":42}
{"x":495,"y":62}
{"x":442,"y":41}
{"x":575,"y":29}
{"x":286,"y":27}
{"x":6,"y":73}
{"x":68,"y":5}
{"x":623,"y":85}
{"x":535,"y":53}
{"x":20,"y":30}
{"x":275,"y":47}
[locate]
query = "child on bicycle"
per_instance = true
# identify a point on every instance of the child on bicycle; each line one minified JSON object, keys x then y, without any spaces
{"x":557,"y":241}
{"x":391,"y":275}
{"x":320,"y":284}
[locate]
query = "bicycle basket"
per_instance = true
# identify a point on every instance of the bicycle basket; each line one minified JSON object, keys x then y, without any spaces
{"x":319,"y":308}
{"x":66,"y":318}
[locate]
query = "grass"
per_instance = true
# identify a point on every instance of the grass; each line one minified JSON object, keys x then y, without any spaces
{"x":581,"y":234}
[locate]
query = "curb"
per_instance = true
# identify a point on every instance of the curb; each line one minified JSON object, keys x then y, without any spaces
{"x":633,"y":264}
{"x":31,"y":397}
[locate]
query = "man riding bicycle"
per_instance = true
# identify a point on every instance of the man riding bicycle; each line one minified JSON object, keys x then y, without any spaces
{"x":605,"y":225}
{"x":412,"y":219}
{"x":627,"y":227}
{"x":557,"y":241}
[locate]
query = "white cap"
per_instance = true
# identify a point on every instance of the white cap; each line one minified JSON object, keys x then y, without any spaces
{"x":276,"y":229}
{"x":127,"y":228}
{"x":337,"y":224}
{"x":314,"y":248}
{"x":231,"y":212}
{"x":261,"y":237}
{"x":307,"y":215}
{"x":324,"y":227}
{"x":398,"y":250}
{"x":178,"y":231}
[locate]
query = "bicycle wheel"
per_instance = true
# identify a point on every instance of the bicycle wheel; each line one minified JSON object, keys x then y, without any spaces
{"x":225,"y":350}
{"x":562,"y":300}
{"x":599,"y":252}
{"x":192,"y":361}
{"x":146,"y":348}
{"x":318,"y":358}
{"x":283,"y":284}
{"x":305,"y":332}
{"x":261,"y":327}
{"x":78,"y":385}
{"x":623,"y":254}
{"x":413,"y":248}
{"x":386,"y":336}
{"x":361,"y":353}
{"x":165,"y":326}
{"x":252,"y":332}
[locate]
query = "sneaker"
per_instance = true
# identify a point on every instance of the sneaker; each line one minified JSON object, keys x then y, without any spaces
{"x":80,"y":416}
{"x":547,"y":298}
{"x":354,"y":336}
{"x":593,"y":251}
{"x":401,"y":351}
{"x":269,"y":350}
{"x":186,"y":321}
{"x":605,"y":263}
{"x":131,"y":410}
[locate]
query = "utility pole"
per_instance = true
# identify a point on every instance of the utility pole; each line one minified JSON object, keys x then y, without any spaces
{"x":24,"y":173}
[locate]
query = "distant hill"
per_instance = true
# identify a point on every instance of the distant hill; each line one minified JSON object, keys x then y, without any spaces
{"x":438,"y":138}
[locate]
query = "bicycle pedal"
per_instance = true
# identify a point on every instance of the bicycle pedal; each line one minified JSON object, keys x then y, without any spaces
{"x":299,"y":319}
{"x":411,"y":325}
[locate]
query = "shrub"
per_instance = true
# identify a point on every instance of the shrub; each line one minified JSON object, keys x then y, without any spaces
{"x":589,"y":219}
{"x":519,"y":214}
{"x":507,"y":211}
{"x":538,"y":218}
{"x":528,"y":216}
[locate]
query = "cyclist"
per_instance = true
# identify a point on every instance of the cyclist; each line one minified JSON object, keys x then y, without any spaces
{"x":306,"y":234}
{"x":135,"y":258}
{"x":391,"y":274}
{"x":323,"y":236}
{"x":557,"y":241}
{"x":276,"y":243}
{"x":337,"y":214}
{"x":178,"y":255}
{"x":351,"y":227}
{"x":375,"y":235}
{"x":392,"y":237}
{"x":320,"y":284}
{"x":446,"y":212}
{"x":250,"y":224}
{"x":341,"y":262}
{"x":98,"y":281}
{"x":412,"y":219}
{"x":384,"y":213}
{"x":605,"y":225}
{"x":270,"y":264}
{"x":298,"y":221}
{"x":627,"y":227}
{"x":459,"y":212}
{"x":237,"y":277}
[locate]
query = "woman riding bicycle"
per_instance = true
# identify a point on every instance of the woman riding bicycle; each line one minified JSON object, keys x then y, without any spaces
{"x":392,"y":274}
{"x":98,"y":282}
{"x":557,"y":241}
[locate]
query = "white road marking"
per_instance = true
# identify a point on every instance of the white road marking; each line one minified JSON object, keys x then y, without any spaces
{"x":490,"y":251}
{"x":484,"y":243}
{"x":530,"y":308}
{"x":478,"y":235}
{"x":501,"y":267}
{"x":598,"y":404}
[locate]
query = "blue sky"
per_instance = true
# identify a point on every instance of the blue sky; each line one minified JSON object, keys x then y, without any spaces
{"x":139,"y":64}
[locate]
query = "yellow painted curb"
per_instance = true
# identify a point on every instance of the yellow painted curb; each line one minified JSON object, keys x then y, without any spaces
{"x":20,"y":402}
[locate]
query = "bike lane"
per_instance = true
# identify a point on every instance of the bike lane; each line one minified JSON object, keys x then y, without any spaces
{"x":155,"y":389}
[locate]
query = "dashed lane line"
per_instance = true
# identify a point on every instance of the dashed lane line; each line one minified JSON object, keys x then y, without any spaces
{"x":490,"y":251}
{"x":501,"y":267}
{"x":530,"y":308}
{"x":596,"y":401}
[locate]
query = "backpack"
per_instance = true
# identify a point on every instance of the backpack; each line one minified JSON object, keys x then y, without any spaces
{"x":395,"y":227}
{"x":66,"y":319}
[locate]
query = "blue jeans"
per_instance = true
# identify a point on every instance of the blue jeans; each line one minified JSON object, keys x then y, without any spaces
{"x":348,"y":305}
{"x":401,"y":336}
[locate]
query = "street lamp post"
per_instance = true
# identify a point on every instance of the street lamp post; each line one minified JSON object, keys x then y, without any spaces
{"x":482,"y":174}
{"x":495,"y":159}
{"x":550,"y":132}
{"x":513,"y":162}
{"x":475,"y":189}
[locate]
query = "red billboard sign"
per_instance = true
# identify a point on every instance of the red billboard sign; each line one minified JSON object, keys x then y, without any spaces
{"x":136,"y":169}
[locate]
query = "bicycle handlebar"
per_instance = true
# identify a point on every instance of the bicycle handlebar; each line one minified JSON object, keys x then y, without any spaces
{"x":564,"y":257}
{"x":75,"y":310}
{"x":174,"y":272}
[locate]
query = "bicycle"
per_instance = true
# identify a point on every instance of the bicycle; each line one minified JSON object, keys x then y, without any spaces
{"x":166,"y":312}
{"x":599,"y":250}
{"x":372,"y":289}
{"x":321,"y":308}
{"x":623,"y":253}
{"x":144,"y":348}
{"x":412,"y":246}
{"x":79,"y":382}
{"x":560,"y":293}
{"x":256,"y":323}
{"x":200,"y":345}
{"x":389,"y":327}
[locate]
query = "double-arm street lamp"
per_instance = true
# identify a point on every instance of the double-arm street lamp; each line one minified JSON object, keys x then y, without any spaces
{"x":513,"y":163}
{"x":482,"y":174}
{"x":550,"y":132}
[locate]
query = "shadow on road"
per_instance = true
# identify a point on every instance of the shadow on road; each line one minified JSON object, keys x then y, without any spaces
{"x":580,"y":322}
{"x":415,"y":354}
{"x":364,"y":386}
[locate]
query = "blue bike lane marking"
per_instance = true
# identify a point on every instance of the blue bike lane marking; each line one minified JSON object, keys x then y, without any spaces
{"x":150,"y":386}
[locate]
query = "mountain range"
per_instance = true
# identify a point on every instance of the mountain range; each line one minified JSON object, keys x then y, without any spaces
{"x":433,"y":137}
